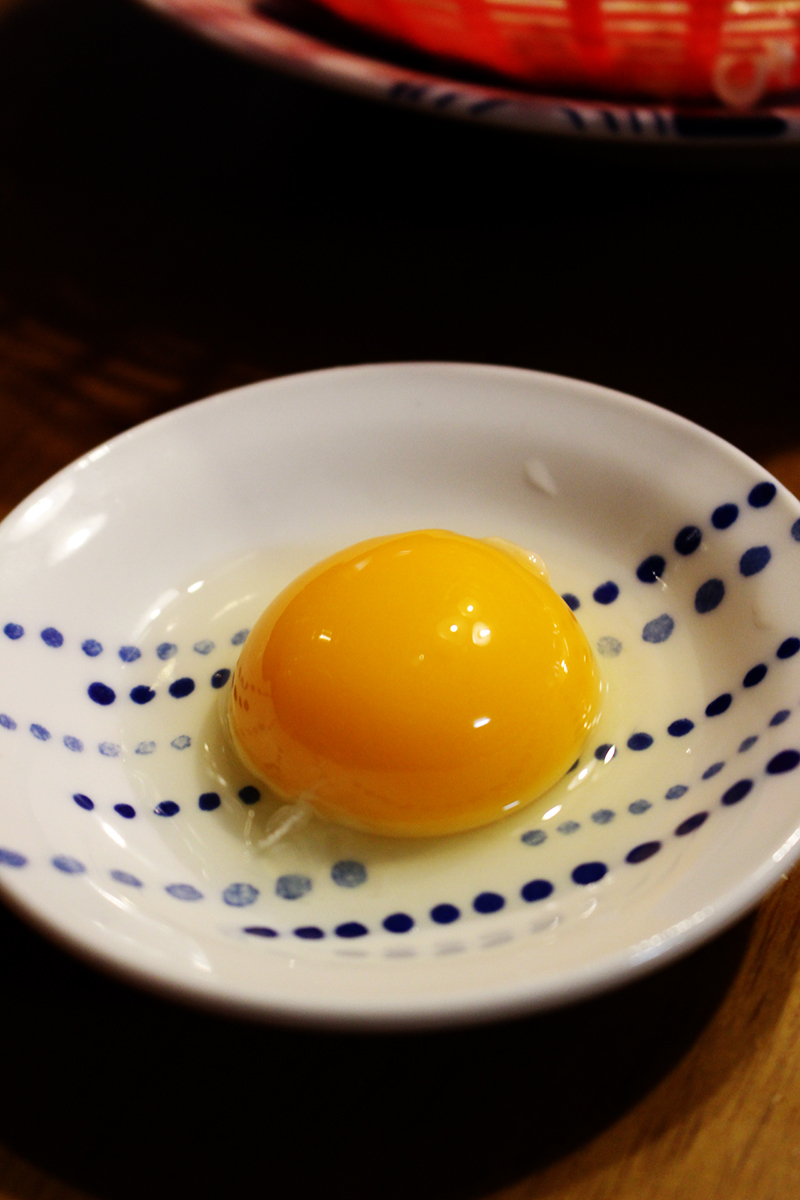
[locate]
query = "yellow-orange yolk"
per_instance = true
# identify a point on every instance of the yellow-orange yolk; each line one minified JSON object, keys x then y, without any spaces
{"x":415,"y":685}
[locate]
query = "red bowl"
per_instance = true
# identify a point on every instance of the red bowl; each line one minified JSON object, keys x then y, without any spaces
{"x":735,"y":50}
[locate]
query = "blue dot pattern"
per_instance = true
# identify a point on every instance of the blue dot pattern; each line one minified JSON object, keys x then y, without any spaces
{"x":109,"y":749}
{"x":83,"y":801}
{"x":183,"y":891}
{"x":640,"y":741}
{"x":606,"y":593}
{"x":91,"y":647}
{"x":351,"y":929}
{"x":724,"y":516}
{"x":145,"y":748}
{"x":568,"y":827}
{"x":688,"y":540}
{"x":445,"y":914}
{"x":762,"y":495}
{"x":261,"y":931}
{"x":609,"y":647}
{"x":537,"y":889}
{"x":249,"y":794}
{"x":209,"y":801}
{"x":713,"y":770}
{"x":40,"y":732}
{"x":755,"y":675}
{"x":603,"y":816}
{"x":125,"y":810}
{"x":680,"y":728}
{"x":73,"y":743}
{"x":651,"y":570}
{"x":166,"y":650}
{"x":181,"y":742}
{"x":292,"y":887}
{"x":488,"y":902}
{"x":691,"y":823}
{"x":13,"y":631}
{"x":737,"y":792}
{"x":142,"y":694}
{"x":68,"y":865}
{"x":11,"y":858}
{"x":51,"y":637}
{"x":639,"y":806}
{"x":788,"y":648}
{"x":398,"y":923}
{"x":126,"y":878}
{"x":748,"y":743}
{"x":571,"y":601}
{"x":659,"y":629}
{"x":781,"y":716}
{"x":534,"y":837}
{"x":204,"y":647}
{"x":348,"y":873}
{"x":309,"y":932}
{"x":643,"y":852}
{"x":590,"y":872}
{"x":720,"y":705}
{"x":239,"y":637}
{"x":101,"y":693}
{"x":167,"y":808}
{"x":709,"y":595}
{"x":787,"y":760}
{"x":129,"y":654}
{"x":7,"y":722}
{"x":605,"y":753}
{"x":181,"y":687}
{"x":754,"y":560}
{"x":675,"y":793}
{"x":220,"y":677}
{"x":240,"y":895}
{"x":796,"y":530}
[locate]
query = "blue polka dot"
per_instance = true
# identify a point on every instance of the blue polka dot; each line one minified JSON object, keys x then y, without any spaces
{"x":70,"y":866}
{"x":51,"y":637}
{"x":762,"y":495}
{"x":603,"y":816}
{"x":754,"y":675}
{"x":691,"y":823}
{"x":609,"y":647}
{"x":126,"y":878}
{"x":249,"y":794}
{"x":537,"y":889}
{"x":639,"y":741}
{"x":13,"y":631}
{"x":183,"y":891}
{"x":125,"y":810}
{"x":204,"y":647}
{"x":167,"y":808}
{"x":639,"y":806}
{"x":220,"y":677}
{"x":129,"y":654}
{"x":109,"y":749}
{"x":605,"y":753}
{"x":713,"y":770}
{"x":7,"y":722}
{"x":796,"y":530}
{"x":142,"y":694}
{"x":754,"y":560}
{"x":398,"y":923}
{"x":11,"y":858}
{"x":590,"y":872}
{"x":680,"y":727}
{"x":687,"y":541}
{"x":181,"y":687}
{"x":675,"y":792}
{"x":145,"y":748}
{"x":788,"y":648}
{"x":311,"y":933}
{"x":488,"y":902}
{"x":73,"y":743}
{"x":643,"y":852}
{"x":351,"y":929}
{"x":292,"y":887}
{"x":263,"y":931}
{"x":709,"y":595}
{"x":748,"y":743}
{"x":40,"y":732}
{"x":181,"y":742}
{"x":209,"y":801}
{"x":568,"y":827}
{"x":724,"y":516}
{"x":606,"y":593}
{"x":101,"y":693}
{"x":239,"y":637}
{"x":787,"y":760}
{"x":240,"y":895}
{"x":166,"y":650}
{"x":720,"y":705}
{"x":651,"y":570}
{"x":445,"y":914}
{"x":533,"y":837}
{"x":92,"y":647}
{"x":659,"y":629}
{"x":348,"y":873}
{"x":781,"y":716}
{"x":571,"y":601}
{"x":83,"y":801}
{"x":737,"y":792}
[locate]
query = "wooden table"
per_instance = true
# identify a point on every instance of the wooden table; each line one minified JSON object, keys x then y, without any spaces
{"x":173,"y":222}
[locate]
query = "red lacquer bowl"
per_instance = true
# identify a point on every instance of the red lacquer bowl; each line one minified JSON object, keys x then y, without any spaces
{"x":735,"y":50}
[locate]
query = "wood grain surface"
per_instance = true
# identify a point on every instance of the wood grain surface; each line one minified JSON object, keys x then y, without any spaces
{"x":174,"y":222}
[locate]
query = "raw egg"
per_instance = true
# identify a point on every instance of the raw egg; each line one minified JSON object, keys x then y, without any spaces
{"x":415,"y":685}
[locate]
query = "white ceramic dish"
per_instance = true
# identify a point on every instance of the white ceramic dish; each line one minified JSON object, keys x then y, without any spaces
{"x":129,"y":580}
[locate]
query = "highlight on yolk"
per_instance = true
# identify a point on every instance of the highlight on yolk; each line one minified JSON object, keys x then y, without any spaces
{"x":415,"y":685}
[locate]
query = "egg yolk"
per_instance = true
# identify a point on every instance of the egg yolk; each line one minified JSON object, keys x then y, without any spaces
{"x":415,"y":685}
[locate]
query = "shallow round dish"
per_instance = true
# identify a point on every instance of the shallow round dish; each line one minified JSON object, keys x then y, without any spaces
{"x":130,"y":579}
{"x":305,"y":40}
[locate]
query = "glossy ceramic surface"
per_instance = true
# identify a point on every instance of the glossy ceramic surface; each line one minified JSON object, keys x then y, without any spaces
{"x":130,"y":580}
